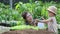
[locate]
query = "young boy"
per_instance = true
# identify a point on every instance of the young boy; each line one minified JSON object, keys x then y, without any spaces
{"x":51,"y":21}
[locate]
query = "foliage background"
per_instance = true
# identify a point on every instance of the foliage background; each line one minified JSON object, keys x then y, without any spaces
{"x":38,"y":9}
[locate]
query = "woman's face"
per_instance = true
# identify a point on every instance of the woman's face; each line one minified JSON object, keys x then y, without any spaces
{"x":29,"y":17}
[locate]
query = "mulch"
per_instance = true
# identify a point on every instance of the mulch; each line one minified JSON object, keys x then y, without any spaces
{"x":30,"y":31}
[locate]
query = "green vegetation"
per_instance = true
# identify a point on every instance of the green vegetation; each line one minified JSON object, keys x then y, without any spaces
{"x":38,"y":9}
{"x":23,"y":27}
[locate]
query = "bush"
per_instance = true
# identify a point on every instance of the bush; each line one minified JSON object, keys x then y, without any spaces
{"x":38,"y":9}
{"x":23,"y":27}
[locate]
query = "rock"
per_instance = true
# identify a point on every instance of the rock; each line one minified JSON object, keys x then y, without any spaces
{"x":4,"y":29}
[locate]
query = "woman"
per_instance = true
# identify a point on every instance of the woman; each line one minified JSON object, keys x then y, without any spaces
{"x":28,"y":19}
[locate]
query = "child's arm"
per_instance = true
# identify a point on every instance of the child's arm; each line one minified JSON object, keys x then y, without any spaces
{"x":44,"y":21}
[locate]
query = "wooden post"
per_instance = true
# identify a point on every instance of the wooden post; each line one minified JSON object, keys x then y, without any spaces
{"x":11,"y":4}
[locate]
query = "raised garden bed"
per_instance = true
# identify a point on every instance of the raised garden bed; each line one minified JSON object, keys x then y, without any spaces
{"x":28,"y":31}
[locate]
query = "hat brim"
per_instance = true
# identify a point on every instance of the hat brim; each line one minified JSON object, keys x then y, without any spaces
{"x":51,"y":11}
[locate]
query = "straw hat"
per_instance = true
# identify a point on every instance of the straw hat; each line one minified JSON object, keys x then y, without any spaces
{"x":52,"y":9}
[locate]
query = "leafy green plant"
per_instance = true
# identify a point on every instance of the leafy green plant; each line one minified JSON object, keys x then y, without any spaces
{"x":23,"y":27}
{"x":38,"y":9}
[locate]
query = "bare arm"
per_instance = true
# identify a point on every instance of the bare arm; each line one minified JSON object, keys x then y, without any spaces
{"x":44,"y":21}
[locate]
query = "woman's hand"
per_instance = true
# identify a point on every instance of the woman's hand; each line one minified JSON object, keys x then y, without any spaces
{"x":36,"y":21}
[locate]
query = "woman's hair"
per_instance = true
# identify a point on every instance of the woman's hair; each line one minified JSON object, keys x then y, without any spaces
{"x":24,"y":15}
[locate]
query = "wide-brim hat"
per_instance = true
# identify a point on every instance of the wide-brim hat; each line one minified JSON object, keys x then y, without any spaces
{"x":52,"y":9}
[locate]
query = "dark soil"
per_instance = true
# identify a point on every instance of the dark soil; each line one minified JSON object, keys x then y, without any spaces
{"x":30,"y":31}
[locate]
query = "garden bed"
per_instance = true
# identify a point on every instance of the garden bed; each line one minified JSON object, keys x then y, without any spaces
{"x":28,"y":31}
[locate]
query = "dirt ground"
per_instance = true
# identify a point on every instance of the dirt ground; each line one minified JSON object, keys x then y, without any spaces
{"x":28,"y":32}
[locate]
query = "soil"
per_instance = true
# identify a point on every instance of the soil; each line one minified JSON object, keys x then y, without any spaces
{"x":30,"y":31}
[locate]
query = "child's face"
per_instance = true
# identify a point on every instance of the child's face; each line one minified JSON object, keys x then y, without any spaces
{"x":51,"y":14}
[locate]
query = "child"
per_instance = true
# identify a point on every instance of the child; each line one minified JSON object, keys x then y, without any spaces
{"x":51,"y":21}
